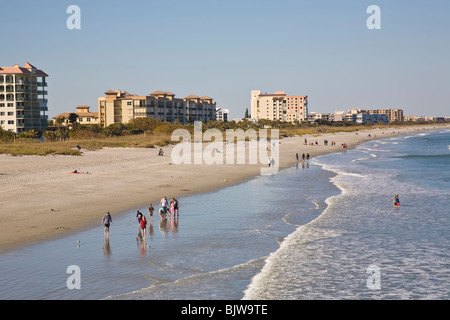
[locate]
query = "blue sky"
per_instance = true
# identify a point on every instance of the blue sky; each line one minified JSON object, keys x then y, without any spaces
{"x":225,"y":49}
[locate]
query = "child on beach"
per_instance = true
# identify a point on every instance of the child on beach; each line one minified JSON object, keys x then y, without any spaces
{"x":172,"y":206}
{"x":143,"y":225}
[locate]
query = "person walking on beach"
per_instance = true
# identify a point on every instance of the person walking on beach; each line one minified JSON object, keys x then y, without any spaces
{"x":175,"y":205}
{"x":303,"y":156}
{"x":107,"y":220}
{"x":150,"y":212}
{"x":143,"y":225}
{"x":139,"y":216}
{"x":296,"y":156}
{"x":164,"y":204}
{"x":307,"y":156}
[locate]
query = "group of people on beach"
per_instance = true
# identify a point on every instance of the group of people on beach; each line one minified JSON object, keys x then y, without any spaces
{"x":165,"y":209}
{"x":303,"y":156}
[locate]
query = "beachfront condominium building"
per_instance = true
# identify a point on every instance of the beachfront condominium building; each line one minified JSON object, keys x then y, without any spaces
{"x":120,"y":107}
{"x":392,"y":114}
{"x":279,"y":106}
{"x":23,"y":102}
{"x":222,"y":114}
{"x":84,"y":116}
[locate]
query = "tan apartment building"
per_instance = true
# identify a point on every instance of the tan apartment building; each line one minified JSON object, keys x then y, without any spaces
{"x":296,"y":108}
{"x":278,"y":106}
{"x":23,"y":102}
{"x":120,"y":107}
{"x":393,"y":114}
{"x":85,"y":116}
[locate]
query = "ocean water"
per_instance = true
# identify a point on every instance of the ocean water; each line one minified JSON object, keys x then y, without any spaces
{"x":313,"y":231}
{"x":334,"y":256}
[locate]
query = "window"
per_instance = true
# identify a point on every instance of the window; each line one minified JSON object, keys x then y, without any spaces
{"x":10,"y":121}
{"x":10,"y":113}
{"x":128,"y":103}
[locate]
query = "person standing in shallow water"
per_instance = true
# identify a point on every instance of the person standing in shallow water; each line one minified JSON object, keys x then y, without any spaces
{"x":107,"y":220}
{"x":143,"y":224}
{"x":150,"y":212}
{"x":396,"y":201}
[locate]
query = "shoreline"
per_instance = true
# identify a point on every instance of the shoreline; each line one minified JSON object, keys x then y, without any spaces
{"x":43,"y":201}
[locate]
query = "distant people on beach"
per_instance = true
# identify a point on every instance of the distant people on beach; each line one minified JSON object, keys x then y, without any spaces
{"x":160,"y":152}
{"x":165,"y":208}
{"x":107,"y":220}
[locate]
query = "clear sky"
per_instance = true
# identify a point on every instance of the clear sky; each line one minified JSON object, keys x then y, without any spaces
{"x":225,"y":49}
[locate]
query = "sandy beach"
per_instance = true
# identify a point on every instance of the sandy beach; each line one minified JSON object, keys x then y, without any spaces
{"x":41,"y":199}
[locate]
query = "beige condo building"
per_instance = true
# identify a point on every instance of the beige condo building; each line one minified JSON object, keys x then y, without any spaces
{"x":392,"y":114}
{"x":278,"y":106}
{"x":23,"y":102}
{"x":85,"y":116}
{"x":120,"y":107}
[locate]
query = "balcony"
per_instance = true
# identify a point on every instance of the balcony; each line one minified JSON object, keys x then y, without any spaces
{"x":23,"y":99}
{"x":22,"y":90}
{"x":24,"y":116}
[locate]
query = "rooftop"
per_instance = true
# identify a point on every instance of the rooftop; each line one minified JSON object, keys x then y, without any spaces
{"x":26,"y":69}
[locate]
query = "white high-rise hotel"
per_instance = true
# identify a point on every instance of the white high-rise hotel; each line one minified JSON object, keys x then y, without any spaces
{"x":23,"y":100}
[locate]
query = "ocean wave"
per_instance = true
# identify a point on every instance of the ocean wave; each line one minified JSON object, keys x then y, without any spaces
{"x":424,"y":156}
{"x":195,"y":286}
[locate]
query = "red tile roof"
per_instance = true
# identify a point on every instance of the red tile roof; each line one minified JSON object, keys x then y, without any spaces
{"x":26,"y":69}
